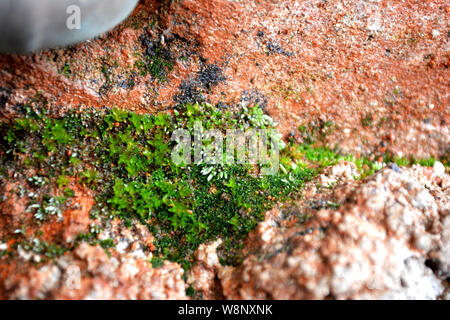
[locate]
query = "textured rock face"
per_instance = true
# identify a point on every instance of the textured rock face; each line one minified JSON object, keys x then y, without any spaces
{"x":388,"y":239}
{"x":378,"y":70}
{"x":88,"y":273}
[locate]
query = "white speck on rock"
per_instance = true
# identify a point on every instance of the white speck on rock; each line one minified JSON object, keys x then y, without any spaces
{"x":435,"y":33}
{"x":438,"y":169}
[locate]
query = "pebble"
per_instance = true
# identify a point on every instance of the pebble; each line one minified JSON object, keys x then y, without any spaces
{"x":438,"y":169}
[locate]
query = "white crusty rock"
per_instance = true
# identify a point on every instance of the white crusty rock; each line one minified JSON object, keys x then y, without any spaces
{"x":89,"y":273}
{"x":389,"y":239}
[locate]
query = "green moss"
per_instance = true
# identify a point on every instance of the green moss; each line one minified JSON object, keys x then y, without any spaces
{"x":426,"y":162}
{"x":157,"y":262}
{"x":125,"y":158}
{"x":156,"y":62}
{"x":319,"y":157}
{"x":65,"y":70}
{"x":190,"y":291}
{"x":62,"y":181}
{"x":367,"y":121}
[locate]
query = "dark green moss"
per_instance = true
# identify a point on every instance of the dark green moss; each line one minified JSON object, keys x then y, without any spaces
{"x":156,"y":59}
{"x":190,"y":291}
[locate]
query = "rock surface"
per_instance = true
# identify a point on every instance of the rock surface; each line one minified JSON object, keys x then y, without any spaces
{"x":385,"y":237}
{"x":377,"y":70}
{"x":387,"y":240}
{"x":89,"y":273}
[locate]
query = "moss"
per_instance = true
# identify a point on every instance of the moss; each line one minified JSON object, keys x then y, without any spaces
{"x":157,"y":262}
{"x":65,"y":70}
{"x":313,"y":153}
{"x":367,"y":121}
{"x":190,"y":291}
{"x":319,"y":157}
{"x":125,"y":158}
{"x":425,"y":162}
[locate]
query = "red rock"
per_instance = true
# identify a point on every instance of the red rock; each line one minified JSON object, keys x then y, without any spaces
{"x":305,"y":60}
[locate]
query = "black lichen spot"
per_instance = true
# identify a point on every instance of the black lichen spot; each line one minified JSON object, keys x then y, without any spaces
{"x":221,"y":105}
{"x":210,"y":76}
{"x":275,"y":48}
{"x":192,"y":90}
{"x":128,"y":82}
{"x":370,"y":37}
{"x":189,"y":93}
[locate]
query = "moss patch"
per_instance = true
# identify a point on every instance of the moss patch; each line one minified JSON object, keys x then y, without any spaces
{"x":126,"y":159}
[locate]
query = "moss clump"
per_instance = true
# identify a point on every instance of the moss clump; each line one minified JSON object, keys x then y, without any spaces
{"x":367,"y":121}
{"x":125,"y":158}
{"x":65,"y":70}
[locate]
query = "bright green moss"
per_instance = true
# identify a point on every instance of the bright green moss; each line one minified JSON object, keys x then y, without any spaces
{"x":65,"y":70}
{"x":125,"y":158}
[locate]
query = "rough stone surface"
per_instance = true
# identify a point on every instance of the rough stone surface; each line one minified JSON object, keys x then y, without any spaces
{"x":378,"y":70}
{"x":387,"y":240}
{"x":84,"y":272}
{"x":385,"y":237}
{"x":89,"y":273}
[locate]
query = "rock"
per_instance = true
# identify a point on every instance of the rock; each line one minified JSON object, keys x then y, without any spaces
{"x":202,"y":275}
{"x":344,"y":170}
{"x":375,"y":246}
{"x":77,"y":220}
{"x":89,"y":273}
{"x":313,"y":63}
{"x":294,"y":58}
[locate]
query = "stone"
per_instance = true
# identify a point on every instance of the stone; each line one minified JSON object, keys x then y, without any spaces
{"x":438,"y":169}
{"x":361,"y":251}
